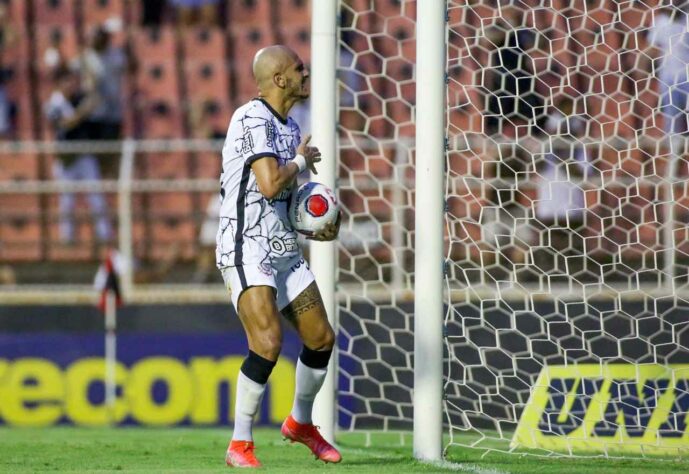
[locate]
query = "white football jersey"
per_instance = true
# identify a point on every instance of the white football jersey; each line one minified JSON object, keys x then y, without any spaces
{"x":252,"y":228}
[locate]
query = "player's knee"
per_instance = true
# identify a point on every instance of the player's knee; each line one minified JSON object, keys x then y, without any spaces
{"x":268,"y":344}
{"x":323,"y":340}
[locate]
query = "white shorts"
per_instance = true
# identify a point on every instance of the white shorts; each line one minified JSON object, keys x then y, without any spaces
{"x":289,"y":279}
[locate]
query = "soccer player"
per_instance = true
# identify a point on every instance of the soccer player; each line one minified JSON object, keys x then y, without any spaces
{"x":259,"y":256}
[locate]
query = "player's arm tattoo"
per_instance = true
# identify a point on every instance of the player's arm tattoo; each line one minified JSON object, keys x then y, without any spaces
{"x":309,"y":299}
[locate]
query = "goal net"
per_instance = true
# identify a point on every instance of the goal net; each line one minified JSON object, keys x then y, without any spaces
{"x":566,"y":239}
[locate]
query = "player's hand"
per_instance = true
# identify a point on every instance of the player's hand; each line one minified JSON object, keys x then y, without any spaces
{"x":329,"y":232}
{"x":311,"y":153}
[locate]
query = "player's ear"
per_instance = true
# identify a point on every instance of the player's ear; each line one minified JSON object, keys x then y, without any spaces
{"x":279,"y":80}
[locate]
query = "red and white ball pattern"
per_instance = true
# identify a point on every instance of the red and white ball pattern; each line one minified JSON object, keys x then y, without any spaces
{"x":312,"y":207}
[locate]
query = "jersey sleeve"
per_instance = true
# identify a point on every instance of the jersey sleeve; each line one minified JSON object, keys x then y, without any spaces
{"x":257,"y":140}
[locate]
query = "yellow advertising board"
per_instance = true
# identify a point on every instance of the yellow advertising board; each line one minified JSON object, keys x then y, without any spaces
{"x":38,"y":392}
{"x":614,"y":409}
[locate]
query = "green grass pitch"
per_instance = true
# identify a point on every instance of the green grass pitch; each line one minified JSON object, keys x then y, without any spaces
{"x":189,"y":450}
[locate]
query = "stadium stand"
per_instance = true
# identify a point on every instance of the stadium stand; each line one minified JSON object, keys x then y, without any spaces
{"x":54,"y":12}
{"x":188,"y":81}
{"x":250,"y":13}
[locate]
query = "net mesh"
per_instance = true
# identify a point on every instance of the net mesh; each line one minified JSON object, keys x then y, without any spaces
{"x":566,"y":216}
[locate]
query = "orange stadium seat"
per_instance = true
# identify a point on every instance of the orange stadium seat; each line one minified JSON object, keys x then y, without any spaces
{"x":211,"y":115}
{"x":204,"y":44}
{"x":169,"y":165}
{"x":249,"y":13}
{"x":208,"y":164}
{"x":97,"y":12}
{"x":157,"y":87}
{"x":298,"y":37}
{"x":393,"y":8}
{"x":171,"y":217}
{"x":17,"y":13}
{"x":55,"y":12}
{"x":61,"y":39}
{"x":246,"y":42}
{"x":153,"y":44}
{"x":20,"y":230}
{"x":16,"y":64}
{"x":19,"y":167}
{"x":207,"y":79}
{"x":161,"y":119}
{"x":293,"y":12}
{"x":400,"y":32}
{"x":157,"y":79}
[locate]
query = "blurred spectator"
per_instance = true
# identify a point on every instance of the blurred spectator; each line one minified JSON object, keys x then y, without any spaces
{"x":560,"y":199}
{"x":8,"y":37}
{"x":103,"y":67}
{"x":68,"y":110}
{"x":196,"y":12}
{"x":514,"y":104}
{"x":670,"y":38}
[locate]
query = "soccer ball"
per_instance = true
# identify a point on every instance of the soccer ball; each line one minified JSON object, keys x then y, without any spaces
{"x":312,"y":207}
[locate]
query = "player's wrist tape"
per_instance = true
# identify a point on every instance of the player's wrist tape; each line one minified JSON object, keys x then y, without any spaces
{"x":300,"y":161}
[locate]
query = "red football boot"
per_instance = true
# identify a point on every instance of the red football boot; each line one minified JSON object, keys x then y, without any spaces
{"x":308,"y":434}
{"x":241,"y":454}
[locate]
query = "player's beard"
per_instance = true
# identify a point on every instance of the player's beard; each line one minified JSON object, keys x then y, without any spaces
{"x":305,"y":88}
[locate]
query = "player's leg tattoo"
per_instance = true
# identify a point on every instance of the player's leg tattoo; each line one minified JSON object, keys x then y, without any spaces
{"x":308,"y":300}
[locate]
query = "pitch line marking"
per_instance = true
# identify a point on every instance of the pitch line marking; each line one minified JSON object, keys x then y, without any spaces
{"x":451,"y":466}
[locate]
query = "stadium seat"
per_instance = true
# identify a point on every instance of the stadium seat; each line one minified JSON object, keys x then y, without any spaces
{"x":17,"y":12}
{"x":55,"y":12}
{"x":153,"y":44}
{"x":19,"y":166}
{"x":20,"y":230}
{"x":157,"y":90}
{"x":97,"y":12}
{"x":246,"y":42}
{"x":293,"y":12}
{"x":298,"y":37}
{"x":172,"y":222}
{"x":401,"y":31}
{"x":203,"y":44}
{"x":169,"y":165}
{"x":161,"y":119}
{"x":61,"y":39}
{"x":158,"y":79}
{"x":208,"y":165}
{"x":16,"y":64}
{"x":400,"y":111}
{"x":249,"y":13}
{"x":205,"y":79}
{"x":209,"y":117}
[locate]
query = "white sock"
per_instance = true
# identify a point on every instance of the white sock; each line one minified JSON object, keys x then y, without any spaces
{"x":309,"y":382}
{"x":248,"y":398}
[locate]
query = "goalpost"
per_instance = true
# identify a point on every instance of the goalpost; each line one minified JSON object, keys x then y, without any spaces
{"x":512,"y":269}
